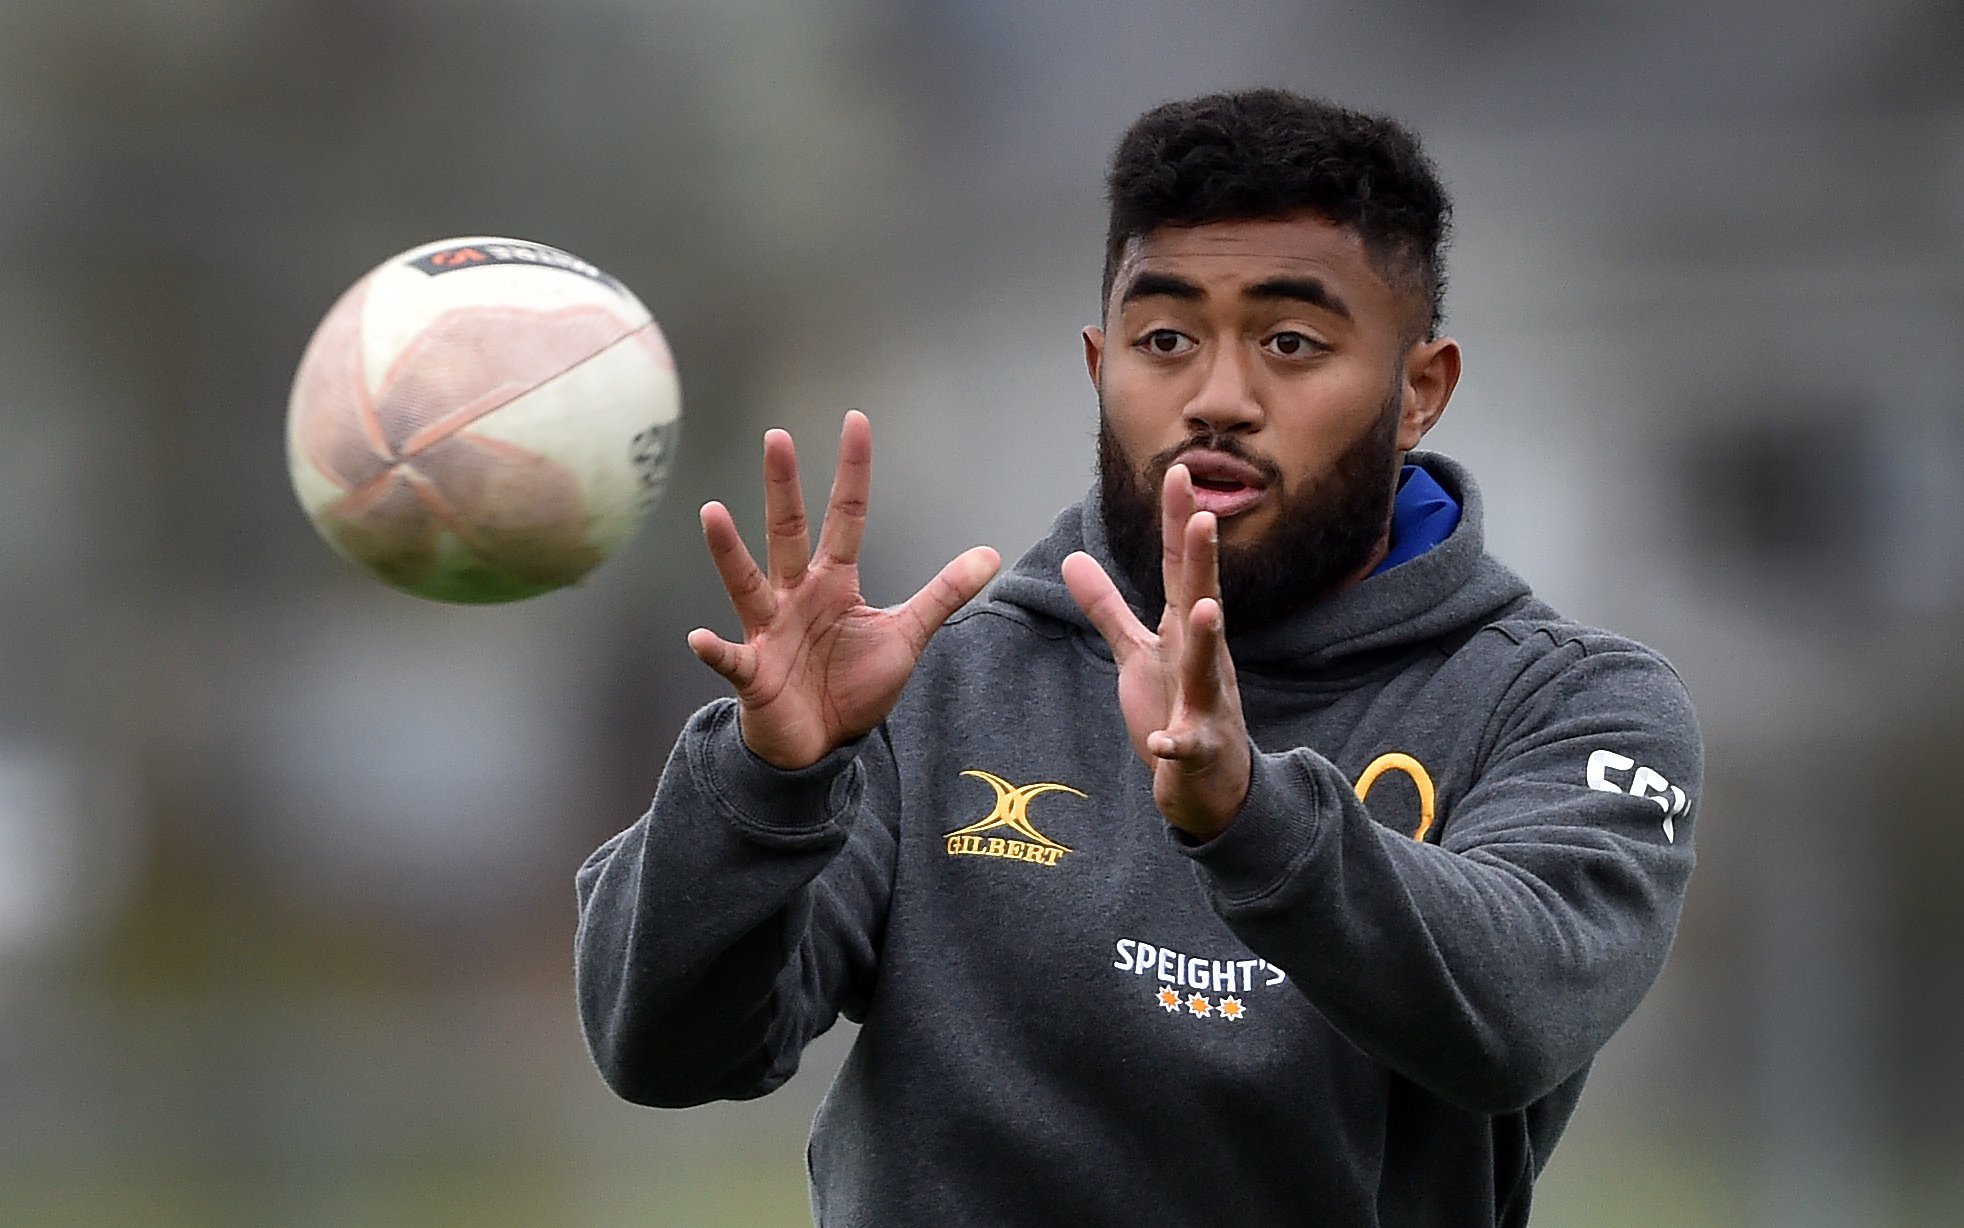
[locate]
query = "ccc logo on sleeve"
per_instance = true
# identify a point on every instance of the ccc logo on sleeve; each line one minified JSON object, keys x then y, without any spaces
{"x":1646,"y":783}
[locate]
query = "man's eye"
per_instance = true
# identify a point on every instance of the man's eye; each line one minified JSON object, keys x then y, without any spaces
{"x":1293,"y":345}
{"x":1166,"y":341}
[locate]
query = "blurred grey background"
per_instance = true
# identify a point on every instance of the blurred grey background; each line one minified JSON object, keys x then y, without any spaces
{"x":286,"y":857}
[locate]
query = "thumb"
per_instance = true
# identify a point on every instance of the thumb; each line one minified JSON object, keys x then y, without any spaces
{"x":1099,"y":598}
{"x":736,"y":662}
{"x":953,"y":587}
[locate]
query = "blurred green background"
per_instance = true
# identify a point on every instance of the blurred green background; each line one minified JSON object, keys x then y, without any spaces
{"x":286,"y":858}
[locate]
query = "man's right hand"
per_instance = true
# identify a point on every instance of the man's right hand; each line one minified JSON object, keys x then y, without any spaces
{"x":819,"y":667}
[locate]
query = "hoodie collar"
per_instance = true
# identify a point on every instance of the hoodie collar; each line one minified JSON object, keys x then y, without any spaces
{"x":1422,"y":516}
{"x":1453,"y":586}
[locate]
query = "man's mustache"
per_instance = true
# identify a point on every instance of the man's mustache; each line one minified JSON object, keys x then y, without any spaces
{"x":1227,"y":445}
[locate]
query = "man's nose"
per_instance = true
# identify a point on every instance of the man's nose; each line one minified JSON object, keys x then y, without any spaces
{"x":1226,"y":400}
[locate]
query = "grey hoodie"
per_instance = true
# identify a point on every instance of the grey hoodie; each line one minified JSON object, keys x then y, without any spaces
{"x":1071,"y":1014}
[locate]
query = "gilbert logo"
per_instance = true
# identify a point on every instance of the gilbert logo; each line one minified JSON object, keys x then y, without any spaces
{"x":1012,"y":810}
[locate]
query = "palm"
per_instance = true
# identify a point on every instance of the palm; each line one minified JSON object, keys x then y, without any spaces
{"x":819,"y":666}
{"x":1153,"y":702}
{"x":1176,"y":686}
{"x":831,"y":671}
{"x":1149,"y":686}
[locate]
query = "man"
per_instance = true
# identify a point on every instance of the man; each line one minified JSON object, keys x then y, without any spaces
{"x":1258,"y":847}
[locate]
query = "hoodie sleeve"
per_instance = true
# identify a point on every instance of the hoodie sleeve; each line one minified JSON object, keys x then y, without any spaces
{"x":734,"y":921}
{"x":1490,"y":967}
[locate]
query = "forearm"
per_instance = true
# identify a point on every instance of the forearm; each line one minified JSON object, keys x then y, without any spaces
{"x":1487,"y":975}
{"x":699,"y":973}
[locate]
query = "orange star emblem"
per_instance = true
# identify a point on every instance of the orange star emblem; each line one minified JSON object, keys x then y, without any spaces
{"x":1231,"y":1008}
{"x":1168,"y":999}
{"x":1199,"y":1005}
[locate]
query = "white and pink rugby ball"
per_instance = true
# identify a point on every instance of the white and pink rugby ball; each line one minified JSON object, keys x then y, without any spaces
{"x":482,"y":419}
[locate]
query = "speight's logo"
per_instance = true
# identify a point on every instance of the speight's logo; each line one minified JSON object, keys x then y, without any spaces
{"x":1012,"y":810}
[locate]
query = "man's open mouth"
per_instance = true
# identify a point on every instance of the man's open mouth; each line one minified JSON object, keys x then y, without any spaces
{"x":1223,"y":484}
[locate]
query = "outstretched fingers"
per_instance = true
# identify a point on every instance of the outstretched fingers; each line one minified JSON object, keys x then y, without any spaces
{"x":787,"y":537}
{"x":1200,"y":560}
{"x":1203,"y":679}
{"x":1176,"y":509}
{"x":750,"y":592}
{"x":852,"y":486}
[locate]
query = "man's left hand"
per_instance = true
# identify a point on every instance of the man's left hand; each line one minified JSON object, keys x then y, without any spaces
{"x":1176,"y":688}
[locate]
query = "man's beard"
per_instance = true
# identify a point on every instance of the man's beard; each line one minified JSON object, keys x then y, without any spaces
{"x":1321,"y":538}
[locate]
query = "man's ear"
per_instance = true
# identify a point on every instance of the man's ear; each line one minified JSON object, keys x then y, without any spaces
{"x":1431,"y":373}
{"x":1094,"y":351}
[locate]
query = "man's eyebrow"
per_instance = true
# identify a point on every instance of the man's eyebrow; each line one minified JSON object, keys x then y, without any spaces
{"x":1162,"y":285}
{"x":1303,"y":289}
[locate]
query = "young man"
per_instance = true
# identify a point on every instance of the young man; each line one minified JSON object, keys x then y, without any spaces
{"x":1258,"y":846}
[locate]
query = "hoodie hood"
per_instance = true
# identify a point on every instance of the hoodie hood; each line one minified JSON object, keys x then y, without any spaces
{"x":1453,"y":587}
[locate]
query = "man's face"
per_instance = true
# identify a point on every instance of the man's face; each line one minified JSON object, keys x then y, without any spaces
{"x":1275,"y":362}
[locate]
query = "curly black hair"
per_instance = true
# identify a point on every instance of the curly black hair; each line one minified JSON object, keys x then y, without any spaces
{"x":1266,"y":153}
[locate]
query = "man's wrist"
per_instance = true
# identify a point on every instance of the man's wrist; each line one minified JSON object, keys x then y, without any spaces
{"x":758,"y":794}
{"x":1203,"y":821}
{"x":772,"y":750}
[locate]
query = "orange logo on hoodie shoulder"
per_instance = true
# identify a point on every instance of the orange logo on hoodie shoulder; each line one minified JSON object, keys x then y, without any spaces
{"x":1428,"y":796}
